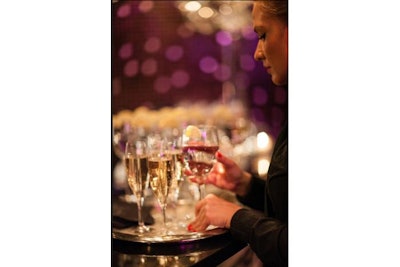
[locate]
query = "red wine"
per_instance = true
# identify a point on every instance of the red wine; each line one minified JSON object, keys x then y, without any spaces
{"x":199,"y":159}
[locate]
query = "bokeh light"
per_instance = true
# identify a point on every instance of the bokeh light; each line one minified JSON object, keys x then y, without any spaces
{"x":192,"y":6}
{"x":124,"y":11}
{"x":208,"y":64}
{"x":149,"y":67}
{"x":225,"y":9}
{"x":248,"y":32}
{"x":223,"y":73}
{"x":223,"y":38}
{"x":125,"y":51}
{"x":206,"y":12}
{"x":174,"y":53}
{"x":152,"y":45}
{"x":145,"y":6}
{"x":180,"y":78}
{"x":131,"y":68}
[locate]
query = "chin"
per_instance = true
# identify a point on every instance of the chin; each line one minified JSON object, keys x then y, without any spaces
{"x":278,"y":82}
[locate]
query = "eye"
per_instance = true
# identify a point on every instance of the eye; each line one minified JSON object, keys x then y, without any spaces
{"x":261,"y":37}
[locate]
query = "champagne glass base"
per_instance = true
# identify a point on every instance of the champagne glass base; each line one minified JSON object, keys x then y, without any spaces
{"x":141,"y":230}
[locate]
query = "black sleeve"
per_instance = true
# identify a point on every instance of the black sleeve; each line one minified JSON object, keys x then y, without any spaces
{"x":267,"y":237}
{"x":255,"y":197}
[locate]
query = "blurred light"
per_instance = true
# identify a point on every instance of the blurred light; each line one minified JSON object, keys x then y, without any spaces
{"x":226,"y":15}
{"x":146,"y":6}
{"x":180,"y":78}
{"x":223,"y":73}
{"x":149,"y":67}
{"x":131,"y":68}
{"x":206,"y":12}
{"x":124,"y":11}
{"x":125,"y":51}
{"x":224,"y":38}
{"x":192,"y":6}
{"x":262,"y":167}
{"x":152,"y":44}
{"x":248,"y":32}
{"x":225,"y":9}
{"x":208,"y":64}
{"x":262,"y":141}
{"x":174,"y":53}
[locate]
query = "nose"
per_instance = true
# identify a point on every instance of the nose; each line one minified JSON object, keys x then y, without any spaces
{"x":258,"y":53}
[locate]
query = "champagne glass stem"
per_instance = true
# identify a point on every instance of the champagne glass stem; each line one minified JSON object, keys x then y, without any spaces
{"x":165,"y":230}
{"x":164,"y":216}
{"x":141,"y":227}
{"x":140,"y":217}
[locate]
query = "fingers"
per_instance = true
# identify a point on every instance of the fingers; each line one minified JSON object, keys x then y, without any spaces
{"x":197,"y":180}
{"x":202,"y":221}
{"x":224,"y":160}
{"x":202,"y":203}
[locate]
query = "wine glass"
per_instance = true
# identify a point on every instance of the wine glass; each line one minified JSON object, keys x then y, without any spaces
{"x":161,"y":172}
{"x":200,"y":143}
{"x":136,"y":164}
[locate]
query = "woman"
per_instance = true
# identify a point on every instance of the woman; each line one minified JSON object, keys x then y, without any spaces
{"x":266,"y":232}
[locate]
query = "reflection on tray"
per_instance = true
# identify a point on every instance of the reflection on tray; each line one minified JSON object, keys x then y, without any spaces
{"x":157,"y":236}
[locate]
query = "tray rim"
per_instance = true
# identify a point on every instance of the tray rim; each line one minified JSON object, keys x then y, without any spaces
{"x":121,"y":234}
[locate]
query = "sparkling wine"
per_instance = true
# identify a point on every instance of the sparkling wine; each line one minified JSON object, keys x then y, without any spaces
{"x":178,"y":163}
{"x":161,"y":172}
{"x":200,"y":158}
{"x":137,"y":171}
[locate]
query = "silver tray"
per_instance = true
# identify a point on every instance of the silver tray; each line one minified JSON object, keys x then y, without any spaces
{"x":127,"y":234}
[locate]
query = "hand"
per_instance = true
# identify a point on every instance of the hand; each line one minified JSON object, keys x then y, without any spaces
{"x":215,"y":211}
{"x":226,"y":174}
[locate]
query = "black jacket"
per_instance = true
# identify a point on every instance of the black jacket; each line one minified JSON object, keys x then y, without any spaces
{"x":265,"y":227}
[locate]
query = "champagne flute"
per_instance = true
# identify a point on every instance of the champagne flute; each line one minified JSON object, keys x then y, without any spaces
{"x":136,"y":164}
{"x":200,"y":143}
{"x":161,"y":173}
{"x":174,"y":148}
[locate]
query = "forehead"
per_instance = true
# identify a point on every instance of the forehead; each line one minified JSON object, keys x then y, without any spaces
{"x":263,"y":19}
{"x":259,"y":15}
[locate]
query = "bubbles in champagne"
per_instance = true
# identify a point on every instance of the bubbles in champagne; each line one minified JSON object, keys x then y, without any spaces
{"x":161,"y":173}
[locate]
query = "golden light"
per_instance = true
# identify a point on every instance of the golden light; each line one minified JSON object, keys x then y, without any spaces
{"x":262,"y":141}
{"x":262,"y":167}
{"x":206,"y":12}
{"x":192,"y":6}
